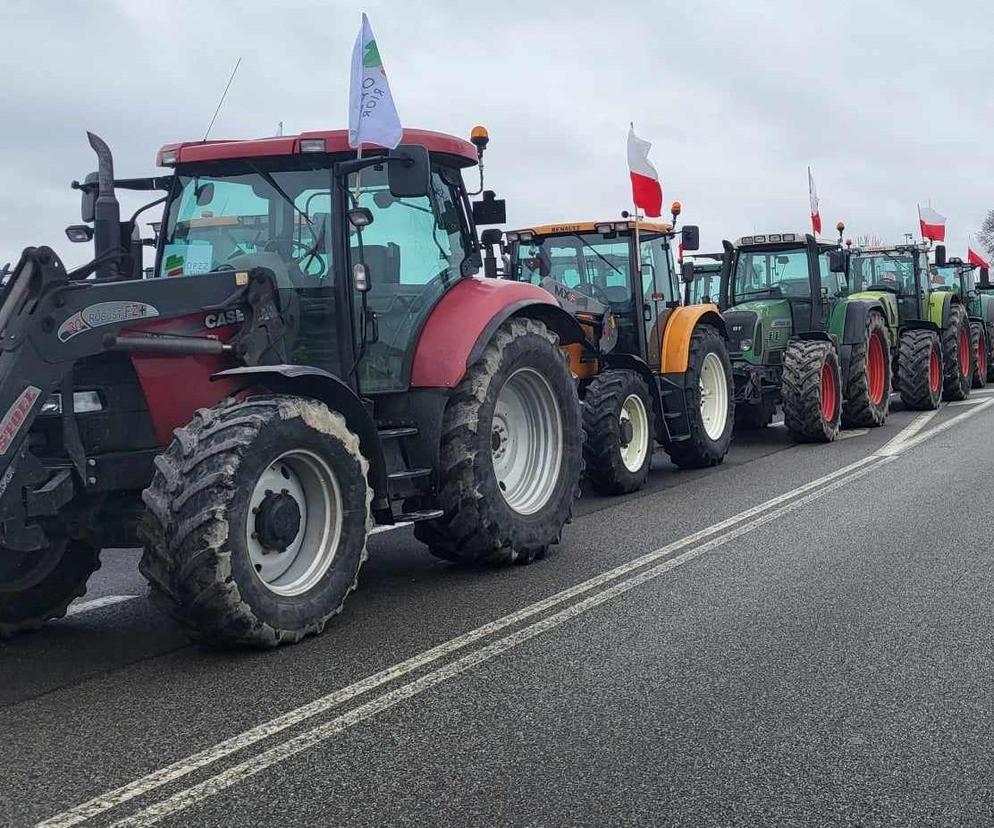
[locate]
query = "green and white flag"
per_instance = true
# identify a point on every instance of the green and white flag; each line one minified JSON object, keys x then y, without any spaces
{"x":373,"y":117}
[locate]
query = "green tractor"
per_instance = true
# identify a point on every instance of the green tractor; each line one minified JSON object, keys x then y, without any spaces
{"x":928,"y":323}
{"x":702,"y":278}
{"x":957,"y":276}
{"x":797,"y":339}
{"x":981,"y":306}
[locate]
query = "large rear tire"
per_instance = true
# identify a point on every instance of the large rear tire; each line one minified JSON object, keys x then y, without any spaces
{"x":618,"y":421}
{"x":957,"y":356}
{"x":256,"y":521}
{"x":978,"y":341}
{"x":38,"y":586}
{"x":867,"y":397}
{"x":709,"y":401}
{"x":812,"y":391}
{"x":511,"y":452}
{"x":919,"y":370}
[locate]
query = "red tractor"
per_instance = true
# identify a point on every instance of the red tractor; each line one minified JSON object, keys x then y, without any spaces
{"x":313,"y":354}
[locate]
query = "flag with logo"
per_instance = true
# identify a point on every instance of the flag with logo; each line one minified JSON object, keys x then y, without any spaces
{"x":373,"y":116}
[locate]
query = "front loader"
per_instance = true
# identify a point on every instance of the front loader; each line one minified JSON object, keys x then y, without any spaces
{"x":312,"y":355}
{"x":799,"y":340}
{"x":650,"y":371}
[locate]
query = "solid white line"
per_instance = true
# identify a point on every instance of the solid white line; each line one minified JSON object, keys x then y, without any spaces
{"x":971,"y":401}
{"x":98,"y":603}
{"x":946,"y":424}
{"x":377,"y":530}
{"x":320,"y":733}
{"x":894,"y":446}
{"x":162,"y":776}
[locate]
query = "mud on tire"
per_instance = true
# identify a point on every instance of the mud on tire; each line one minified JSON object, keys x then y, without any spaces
{"x":197,"y":555}
{"x":811,"y":392}
{"x":957,"y":356}
{"x":38,"y":586}
{"x":702,"y":449}
{"x":479,"y":524}
{"x":867,"y":392}
{"x":603,"y":400}
{"x":919,"y":370}
{"x":981,"y":350}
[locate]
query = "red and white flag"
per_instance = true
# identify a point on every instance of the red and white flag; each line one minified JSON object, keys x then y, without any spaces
{"x":974,"y":258}
{"x":933,"y":224}
{"x":813,"y":197}
{"x":647,"y":193}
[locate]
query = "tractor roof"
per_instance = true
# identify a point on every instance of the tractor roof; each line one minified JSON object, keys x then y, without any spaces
{"x":329,"y":141}
{"x":880,"y":250}
{"x":592,"y":227}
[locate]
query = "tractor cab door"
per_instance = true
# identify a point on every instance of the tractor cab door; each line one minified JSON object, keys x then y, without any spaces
{"x":414,"y":250}
{"x":659,"y":292}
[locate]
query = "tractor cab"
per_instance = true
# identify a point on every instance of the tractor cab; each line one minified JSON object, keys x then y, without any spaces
{"x":953,"y":275}
{"x":702,"y":278}
{"x":898,"y":276}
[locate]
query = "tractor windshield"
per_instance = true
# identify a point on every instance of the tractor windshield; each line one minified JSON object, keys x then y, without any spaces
{"x":706,"y":284}
{"x":893,"y":272}
{"x":762,"y":274}
{"x":946,"y":278}
{"x":240,"y":215}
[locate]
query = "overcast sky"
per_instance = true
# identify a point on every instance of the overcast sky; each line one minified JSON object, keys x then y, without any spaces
{"x":888,"y":102}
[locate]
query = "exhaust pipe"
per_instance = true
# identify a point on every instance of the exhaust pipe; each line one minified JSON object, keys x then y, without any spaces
{"x":107,"y":212}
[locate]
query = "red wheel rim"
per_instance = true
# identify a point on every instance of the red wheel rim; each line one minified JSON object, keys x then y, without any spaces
{"x":876,"y":369}
{"x":964,"y":352}
{"x":982,"y":357}
{"x":827,"y":393}
{"x":934,"y":371}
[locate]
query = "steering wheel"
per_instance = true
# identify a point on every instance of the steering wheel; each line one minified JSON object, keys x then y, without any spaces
{"x":596,"y":292}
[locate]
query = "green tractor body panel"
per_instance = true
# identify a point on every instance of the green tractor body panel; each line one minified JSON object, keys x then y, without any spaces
{"x":758,"y":331}
{"x":887,"y":303}
{"x":938,"y":305}
{"x":981,"y":306}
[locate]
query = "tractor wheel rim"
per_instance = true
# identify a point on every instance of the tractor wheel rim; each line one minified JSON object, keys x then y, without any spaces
{"x":876,"y":369}
{"x":312,"y":484}
{"x":527,"y":441}
{"x":934,"y":371}
{"x":714,"y":396}
{"x":827,"y":393}
{"x":964,"y":351}
{"x":633,"y":411}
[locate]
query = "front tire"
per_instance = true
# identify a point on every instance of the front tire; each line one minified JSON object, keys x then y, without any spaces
{"x":978,"y":341}
{"x":811,"y":392}
{"x":957,"y":356}
{"x":919,"y":370}
{"x":867,"y":398}
{"x":619,"y":426}
{"x":38,"y":586}
{"x":709,"y":401}
{"x":511,"y":452}
{"x":256,"y":521}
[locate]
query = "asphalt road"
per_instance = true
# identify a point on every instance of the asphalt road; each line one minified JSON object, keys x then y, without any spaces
{"x":802,"y":636}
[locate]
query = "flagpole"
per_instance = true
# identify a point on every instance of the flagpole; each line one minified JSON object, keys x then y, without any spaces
{"x":358,"y":173}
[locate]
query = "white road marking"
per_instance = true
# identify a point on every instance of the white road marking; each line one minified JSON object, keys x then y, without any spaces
{"x":376,"y":530}
{"x":98,"y":603}
{"x":853,"y":432}
{"x":971,"y":401}
{"x":946,"y":424}
{"x":320,"y":733}
{"x":893,"y":447}
{"x":732,"y":526}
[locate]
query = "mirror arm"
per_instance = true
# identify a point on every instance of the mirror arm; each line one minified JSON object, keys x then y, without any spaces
{"x":344,"y":169}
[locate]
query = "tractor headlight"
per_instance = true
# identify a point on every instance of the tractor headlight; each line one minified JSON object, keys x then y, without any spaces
{"x":83,"y":402}
{"x":746,"y":344}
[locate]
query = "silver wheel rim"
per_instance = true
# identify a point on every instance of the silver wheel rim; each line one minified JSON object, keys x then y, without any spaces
{"x":714,"y":396}
{"x":633,"y":411}
{"x":527,"y":441}
{"x":309,"y":480}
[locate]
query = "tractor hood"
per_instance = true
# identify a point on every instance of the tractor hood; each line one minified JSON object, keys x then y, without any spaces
{"x":758,"y":331}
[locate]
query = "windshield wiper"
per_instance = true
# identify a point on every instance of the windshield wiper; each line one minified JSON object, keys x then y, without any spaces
{"x":272,"y":182}
{"x":599,"y":256}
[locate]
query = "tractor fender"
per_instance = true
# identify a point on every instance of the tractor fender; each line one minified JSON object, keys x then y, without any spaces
{"x":940,"y":307}
{"x":918,"y":325}
{"x":465,"y":319}
{"x":306,"y":381}
{"x":817,"y":336}
{"x":854,"y":327}
{"x":680,"y":328}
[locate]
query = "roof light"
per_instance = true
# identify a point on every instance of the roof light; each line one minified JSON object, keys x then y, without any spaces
{"x":759,"y":239}
{"x":621,"y":226}
{"x":746,"y":240}
{"x":312,"y":145}
{"x":788,"y":237}
{"x":526,"y":235}
{"x":480,"y":138}
{"x":511,"y":236}
{"x":775,"y":237}
{"x":168,"y":158}
{"x":603,"y":228}
{"x":676,"y":208}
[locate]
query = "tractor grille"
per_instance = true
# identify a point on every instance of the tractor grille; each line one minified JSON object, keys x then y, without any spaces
{"x":741,"y":325}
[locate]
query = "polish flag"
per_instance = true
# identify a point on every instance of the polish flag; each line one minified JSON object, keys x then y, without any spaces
{"x":813,"y":197}
{"x":933,"y":224}
{"x":646,"y":190}
{"x":974,"y":258}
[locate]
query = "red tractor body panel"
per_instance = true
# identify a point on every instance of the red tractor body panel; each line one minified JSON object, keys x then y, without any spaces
{"x":458,"y":321}
{"x":175,"y":386}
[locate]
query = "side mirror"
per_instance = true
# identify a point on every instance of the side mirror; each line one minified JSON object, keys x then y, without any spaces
{"x":940,"y":255}
{"x":204,"y":194}
{"x":489,"y":210}
{"x":687,"y":273}
{"x":409,"y":176}
{"x":79,"y":233}
{"x":491,"y":237}
{"x":691,"y":237}
{"x":360,"y":217}
{"x":88,"y":198}
{"x":836,"y":261}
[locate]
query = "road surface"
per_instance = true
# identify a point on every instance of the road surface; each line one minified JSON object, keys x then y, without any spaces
{"x":803,"y":635}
